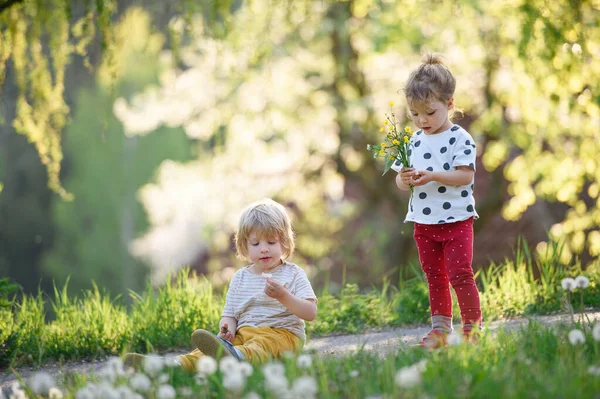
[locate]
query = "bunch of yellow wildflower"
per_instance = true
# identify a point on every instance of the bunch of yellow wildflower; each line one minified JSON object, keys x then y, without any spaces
{"x":395,"y":145}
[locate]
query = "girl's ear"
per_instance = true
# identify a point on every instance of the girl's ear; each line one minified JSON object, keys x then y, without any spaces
{"x":450,"y":102}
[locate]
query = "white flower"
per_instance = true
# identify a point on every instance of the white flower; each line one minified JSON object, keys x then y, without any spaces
{"x":273,"y":369}
{"x":594,"y":370}
{"x":368,"y":147}
{"x":252,"y":395}
{"x":409,"y":377}
{"x":234,"y":381}
{"x":85,"y":393}
{"x":275,"y":379}
{"x":105,"y":390}
{"x":166,"y":392}
{"x":568,"y":284}
{"x":246,"y":369}
{"x":125,"y":392}
{"x":353,"y":373}
{"x":454,"y":338}
{"x":596,"y":331}
{"x":163,"y":378}
{"x":55,"y":393}
{"x":582,"y":282}
{"x":185,"y":391}
{"x":576,"y":337}
{"x":227,"y":364}
{"x":153,"y":364}
{"x":140,"y":382}
{"x":206,"y":365}
{"x":41,"y":383}
{"x":304,"y":361}
{"x":305,"y":387}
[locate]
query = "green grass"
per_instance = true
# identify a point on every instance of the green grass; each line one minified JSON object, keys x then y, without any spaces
{"x":534,"y":362}
{"x":95,"y":325}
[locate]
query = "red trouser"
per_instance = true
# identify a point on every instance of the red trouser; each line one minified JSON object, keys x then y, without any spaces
{"x":446,"y":253}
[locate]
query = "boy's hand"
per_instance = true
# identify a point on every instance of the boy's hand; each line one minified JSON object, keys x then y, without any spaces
{"x":274,"y":289}
{"x":225,"y":333}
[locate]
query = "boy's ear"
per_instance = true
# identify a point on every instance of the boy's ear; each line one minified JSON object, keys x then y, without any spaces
{"x":450,"y":102}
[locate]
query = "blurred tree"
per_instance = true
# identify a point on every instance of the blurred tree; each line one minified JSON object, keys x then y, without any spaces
{"x":104,"y":168}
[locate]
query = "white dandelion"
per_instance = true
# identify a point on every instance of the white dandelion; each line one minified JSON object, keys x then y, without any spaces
{"x":185,"y":392}
{"x":206,"y":365}
{"x":576,"y":337}
{"x":275,"y":379}
{"x":246,"y":369}
{"x":140,"y":382}
{"x":166,"y":391}
{"x":596,"y":331}
{"x":153,"y":364}
{"x":227,"y":364}
{"x":41,"y":383}
{"x":568,"y":284}
{"x":353,"y":373}
{"x":408,"y":377}
{"x":304,"y":361}
{"x":454,"y":338}
{"x":594,"y":370}
{"x":582,"y":282}
{"x":252,"y":395}
{"x":234,"y":381}
{"x":305,"y":387}
{"x":55,"y":393}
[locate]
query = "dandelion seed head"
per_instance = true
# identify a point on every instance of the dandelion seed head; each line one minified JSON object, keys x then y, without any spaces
{"x":576,"y":337}
{"x":596,"y":331}
{"x":582,"y":282}
{"x":252,"y":395}
{"x":140,"y":382}
{"x":206,"y":365}
{"x":227,"y":364}
{"x":568,"y":284}
{"x":408,"y":377}
{"x":41,"y":383}
{"x":153,"y":364}
{"x":166,"y":391}
{"x":594,"y":370}
{"x":454,"y":338}
{"x":246,"y":369}
{"x":353,"y":373}
{"x":305,"y":387}
{"x":234,"y":381}
{"x":304,"y":361}
{"x":185,"y":392}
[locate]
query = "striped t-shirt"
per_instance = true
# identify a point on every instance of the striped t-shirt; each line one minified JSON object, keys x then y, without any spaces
{"x":247,"y":302}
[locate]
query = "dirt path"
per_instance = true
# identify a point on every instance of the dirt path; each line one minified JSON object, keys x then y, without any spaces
{"x":381,"y":342}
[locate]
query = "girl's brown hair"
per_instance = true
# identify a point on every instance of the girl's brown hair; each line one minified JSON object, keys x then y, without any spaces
{"x":432,"y":80}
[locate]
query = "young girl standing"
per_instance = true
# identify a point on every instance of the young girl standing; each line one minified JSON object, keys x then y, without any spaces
{"x":442,"y":207}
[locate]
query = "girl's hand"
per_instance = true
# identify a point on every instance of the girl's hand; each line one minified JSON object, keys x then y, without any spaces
{"x":422,"y":177}
{"x":225,"y":333}
{"x":274,"y":289}
{"x":408,"y":175}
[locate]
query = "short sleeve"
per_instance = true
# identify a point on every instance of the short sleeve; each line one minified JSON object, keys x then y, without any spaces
{"x":465,"y":151}
{"x":228,"y":309}
{"x":301,"y":287}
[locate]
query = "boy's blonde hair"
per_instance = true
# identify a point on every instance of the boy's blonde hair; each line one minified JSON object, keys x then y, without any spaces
{"x":432,"y":80}
{"x":266,"y":218}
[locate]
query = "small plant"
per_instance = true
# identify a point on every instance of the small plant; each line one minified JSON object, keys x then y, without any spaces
{"x":6,"y":289}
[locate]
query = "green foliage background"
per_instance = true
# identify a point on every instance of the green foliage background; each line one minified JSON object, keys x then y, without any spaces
{"x":307,"y":82}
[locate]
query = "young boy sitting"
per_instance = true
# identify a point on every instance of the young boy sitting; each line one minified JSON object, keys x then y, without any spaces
{"x":267,"y":301}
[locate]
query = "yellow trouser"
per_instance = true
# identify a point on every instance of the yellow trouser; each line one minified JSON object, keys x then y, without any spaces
{"x":256,"y":343}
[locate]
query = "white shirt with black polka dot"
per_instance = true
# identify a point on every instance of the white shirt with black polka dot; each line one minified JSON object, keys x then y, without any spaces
{"x":436,"y":203}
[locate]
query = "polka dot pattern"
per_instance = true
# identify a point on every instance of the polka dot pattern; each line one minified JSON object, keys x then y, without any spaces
{"x":435,"y":203}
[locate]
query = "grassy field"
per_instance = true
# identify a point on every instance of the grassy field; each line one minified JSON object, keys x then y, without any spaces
{"x":535,"y":362}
